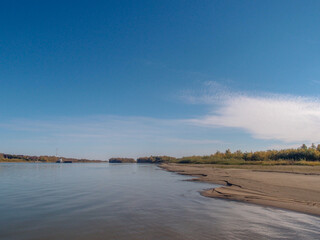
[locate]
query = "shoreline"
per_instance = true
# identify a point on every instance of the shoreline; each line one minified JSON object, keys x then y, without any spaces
{"x":292,"y":188}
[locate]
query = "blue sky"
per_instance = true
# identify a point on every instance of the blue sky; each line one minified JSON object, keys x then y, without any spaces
{"x":98,"y":79}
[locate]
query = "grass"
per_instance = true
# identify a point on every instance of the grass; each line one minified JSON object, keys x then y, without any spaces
{"x":232,"y":161}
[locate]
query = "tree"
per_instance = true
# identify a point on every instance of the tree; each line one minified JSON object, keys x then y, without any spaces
{"x":304,"y":147}
{"x":228,"y":153}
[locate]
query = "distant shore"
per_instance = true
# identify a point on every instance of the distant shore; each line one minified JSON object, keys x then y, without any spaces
{"x":24,"y":161}
{"x":295,"y":188}
{"x":43,"y":161}
{"x":15,"y":158}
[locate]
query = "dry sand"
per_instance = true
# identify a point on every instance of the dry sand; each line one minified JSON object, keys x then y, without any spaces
{"x":294,"y":188}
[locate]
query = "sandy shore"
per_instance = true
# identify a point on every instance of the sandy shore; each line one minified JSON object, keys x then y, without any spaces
{"x":294,"y":188}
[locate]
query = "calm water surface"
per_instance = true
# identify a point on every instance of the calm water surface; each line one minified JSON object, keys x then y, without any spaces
{"x":130,"y":201}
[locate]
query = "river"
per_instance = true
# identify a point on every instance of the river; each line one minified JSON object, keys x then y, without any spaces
{"x":130,"y":201}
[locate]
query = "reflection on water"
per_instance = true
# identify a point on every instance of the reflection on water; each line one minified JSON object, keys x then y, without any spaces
{"x":130,"y":201}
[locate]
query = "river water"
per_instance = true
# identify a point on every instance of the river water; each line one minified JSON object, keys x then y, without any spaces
{"x":130,"y":201}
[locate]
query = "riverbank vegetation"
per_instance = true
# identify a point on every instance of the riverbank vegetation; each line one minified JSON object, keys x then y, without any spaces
{"x":121,"y":160}
{"x":156,"y":159}
{"x":299,"y":156}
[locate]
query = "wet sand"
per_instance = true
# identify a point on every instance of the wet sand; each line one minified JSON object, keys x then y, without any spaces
{"x":294,"y":188}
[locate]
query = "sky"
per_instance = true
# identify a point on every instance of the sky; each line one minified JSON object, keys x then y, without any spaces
{"x":101,"y":79}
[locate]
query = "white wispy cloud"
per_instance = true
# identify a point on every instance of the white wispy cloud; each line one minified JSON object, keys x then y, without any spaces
{"x":94,"y":127}
{"x":194,"y":141}
{"x":210,"y":92}
{"x":316,"y":82}
{"x":276,"y":117}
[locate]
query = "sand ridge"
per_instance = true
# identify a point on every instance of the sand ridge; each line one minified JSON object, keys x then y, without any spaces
{"x":289,"y":187}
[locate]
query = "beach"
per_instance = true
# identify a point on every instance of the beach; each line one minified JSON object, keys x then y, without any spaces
{"x":295,"y":188}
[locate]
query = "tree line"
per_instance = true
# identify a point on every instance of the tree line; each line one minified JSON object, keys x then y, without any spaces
{"x":303,"y":153}
{"x":25,"y":158}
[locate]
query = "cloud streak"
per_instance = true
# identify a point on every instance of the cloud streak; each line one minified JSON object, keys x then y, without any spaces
{"x":272,"y":117}
{"x":102,"y":137}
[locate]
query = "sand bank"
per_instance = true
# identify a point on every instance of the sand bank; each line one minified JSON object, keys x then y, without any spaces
{"x":294,"y":188}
